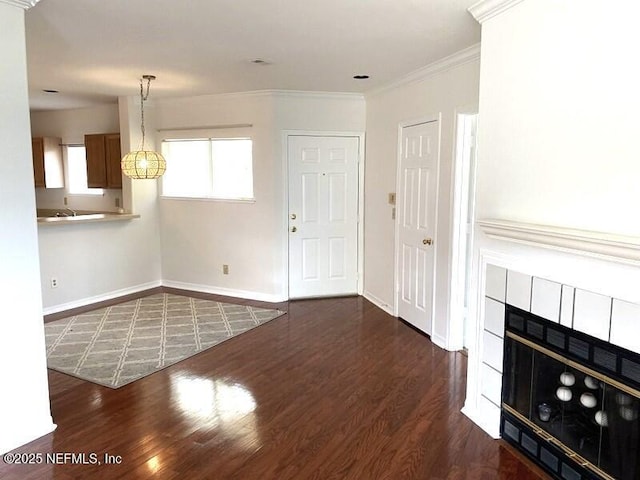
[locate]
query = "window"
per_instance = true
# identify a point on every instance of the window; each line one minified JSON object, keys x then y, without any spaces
{"x":208,"y":168}
{"x":77,"y":172}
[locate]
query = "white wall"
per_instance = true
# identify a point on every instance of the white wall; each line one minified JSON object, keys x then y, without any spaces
{"x":199,"y":236}
{"x":98,"y":261}
{"x":556,"y":146}
{"x":442,"y":94}
{"x":558,"y":129}
{"x":71,"y":126}
{"x":24,"y":404}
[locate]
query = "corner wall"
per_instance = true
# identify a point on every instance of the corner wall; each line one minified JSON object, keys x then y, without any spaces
{"x":444,"y":93}
{"x":200,"y":235}
{"x":24,"y":405}
{"x":99,"y":261}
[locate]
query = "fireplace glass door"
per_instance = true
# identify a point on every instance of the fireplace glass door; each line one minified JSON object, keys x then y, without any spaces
{"x":577,"y":409}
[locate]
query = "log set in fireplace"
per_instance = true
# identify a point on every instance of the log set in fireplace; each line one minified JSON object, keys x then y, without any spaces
{"x":570,"y":402}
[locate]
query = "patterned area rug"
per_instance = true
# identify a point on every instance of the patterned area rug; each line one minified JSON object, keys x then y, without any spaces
{"x":116,"y":345}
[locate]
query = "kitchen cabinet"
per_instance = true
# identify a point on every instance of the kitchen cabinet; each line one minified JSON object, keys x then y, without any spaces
{"x":103,"y":160}
{"x":48,"y":171}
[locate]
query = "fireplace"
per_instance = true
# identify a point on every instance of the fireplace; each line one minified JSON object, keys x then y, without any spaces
{"x":570,"y":401}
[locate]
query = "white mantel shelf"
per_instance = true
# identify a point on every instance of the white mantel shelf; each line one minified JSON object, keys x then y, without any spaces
{"x":607,"y":246}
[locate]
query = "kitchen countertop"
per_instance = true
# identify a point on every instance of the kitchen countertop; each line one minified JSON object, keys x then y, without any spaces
{"x":87,"y":218}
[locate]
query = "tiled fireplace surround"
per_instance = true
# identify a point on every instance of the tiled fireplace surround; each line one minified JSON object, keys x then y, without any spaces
{"x":609,"y":319}
{"x":586,"y":281}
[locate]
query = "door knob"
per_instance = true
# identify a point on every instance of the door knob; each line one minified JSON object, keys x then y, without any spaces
{"x":293,"y":216}
{"x":294,"y":229}
{"x":427,"y":241}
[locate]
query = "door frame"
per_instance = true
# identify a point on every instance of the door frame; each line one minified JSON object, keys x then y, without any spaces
{"x":435,"y":117}
{"x":458,"y":266}
{"x":285,"y":201}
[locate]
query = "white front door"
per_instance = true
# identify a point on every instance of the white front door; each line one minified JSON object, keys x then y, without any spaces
{"x":323,"y":215}
{"x":417,"y":196}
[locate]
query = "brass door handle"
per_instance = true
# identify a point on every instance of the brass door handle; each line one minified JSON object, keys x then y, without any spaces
{"x":427,"y":241}
{"x":294,"y":229}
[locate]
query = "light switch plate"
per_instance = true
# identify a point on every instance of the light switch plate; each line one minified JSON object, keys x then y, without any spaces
{"x":392,"y":198}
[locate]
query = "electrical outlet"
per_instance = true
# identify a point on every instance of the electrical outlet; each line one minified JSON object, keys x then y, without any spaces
{"x":65,"y":201}
{"x":393,"y":213}
{"x":54,"y":282}
{"x":225,"y":269}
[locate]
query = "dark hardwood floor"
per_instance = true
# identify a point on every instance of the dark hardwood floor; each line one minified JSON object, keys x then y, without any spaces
{"x":335,"y":389}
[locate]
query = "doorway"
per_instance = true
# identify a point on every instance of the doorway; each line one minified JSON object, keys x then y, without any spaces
{"x":323,"y":173}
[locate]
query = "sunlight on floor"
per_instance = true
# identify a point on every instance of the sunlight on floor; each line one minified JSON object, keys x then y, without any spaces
{"x":215,"y":403}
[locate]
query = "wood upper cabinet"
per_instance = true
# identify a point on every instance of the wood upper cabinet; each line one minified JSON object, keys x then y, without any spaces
{"x":103,"y":160}
{"x":48,"y":171}
{"x":37,"y":148}
{"x":113,"y":157}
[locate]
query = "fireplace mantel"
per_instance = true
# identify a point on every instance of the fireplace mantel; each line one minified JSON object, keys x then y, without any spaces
{"x":606,"y":246}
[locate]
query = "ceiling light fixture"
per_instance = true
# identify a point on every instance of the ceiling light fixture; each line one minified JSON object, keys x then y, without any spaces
{"x":143,"y":164}
{"x":48,"y":90}
{"x":361,"y":77}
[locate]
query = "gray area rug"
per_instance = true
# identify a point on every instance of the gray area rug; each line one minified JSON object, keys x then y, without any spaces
{"x":116,"y":345}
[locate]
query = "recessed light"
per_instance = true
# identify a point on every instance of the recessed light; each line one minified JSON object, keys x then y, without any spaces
{"x":48,"y":90}
{"x":361,"y":77}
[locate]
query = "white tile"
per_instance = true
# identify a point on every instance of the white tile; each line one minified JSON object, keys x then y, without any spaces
{"x":489,"y":416}
{"x":545,"y":299}
{"x":566,"y":306}
{"x":494,"y":317}
{"x":625,"y":325}
{"x":496,"y":284}
{"x":592,"y":314}
{"x":492,"y":351}
{"x":491,"y":384}
{"x":519,"y":290}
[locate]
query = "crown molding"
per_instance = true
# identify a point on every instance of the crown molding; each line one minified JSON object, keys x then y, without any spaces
{"x":317,"y":94}
{"x":26,"y":4}
{"x":486,"y":9}
{"x":266,"y":93}
{"x":461,"y":57}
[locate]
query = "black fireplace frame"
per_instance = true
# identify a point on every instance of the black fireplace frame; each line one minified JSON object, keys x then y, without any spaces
{"x":616,"y":366}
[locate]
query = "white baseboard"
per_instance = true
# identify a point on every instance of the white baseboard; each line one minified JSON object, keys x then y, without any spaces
{"x":27,"y":432}
{"x":100,"y":298}
{"x":229,"y":292}
{"x":379,"y":303}
{"x":439,"y":341}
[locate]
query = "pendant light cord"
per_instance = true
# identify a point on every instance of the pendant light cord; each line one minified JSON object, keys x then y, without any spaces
{"x":143,"y":97}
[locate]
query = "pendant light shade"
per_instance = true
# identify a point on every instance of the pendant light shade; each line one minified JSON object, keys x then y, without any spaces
{"x":143,"y":164}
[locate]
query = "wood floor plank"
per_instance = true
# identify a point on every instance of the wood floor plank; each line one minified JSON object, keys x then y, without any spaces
{"x":335,"y":389}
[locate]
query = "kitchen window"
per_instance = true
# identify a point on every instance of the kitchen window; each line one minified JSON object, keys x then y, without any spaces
{"x":217,"y":168}
{"x":77,"y":172}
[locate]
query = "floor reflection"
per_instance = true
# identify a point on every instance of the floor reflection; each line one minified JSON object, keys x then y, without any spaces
{"x":216,"y":404}
{"x":154,"y":464}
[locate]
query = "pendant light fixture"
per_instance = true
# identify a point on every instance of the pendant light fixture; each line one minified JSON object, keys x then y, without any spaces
{"x":143,"y":163}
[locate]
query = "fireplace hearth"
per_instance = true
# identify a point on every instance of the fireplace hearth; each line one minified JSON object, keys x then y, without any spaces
{"x":570,"y":402}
